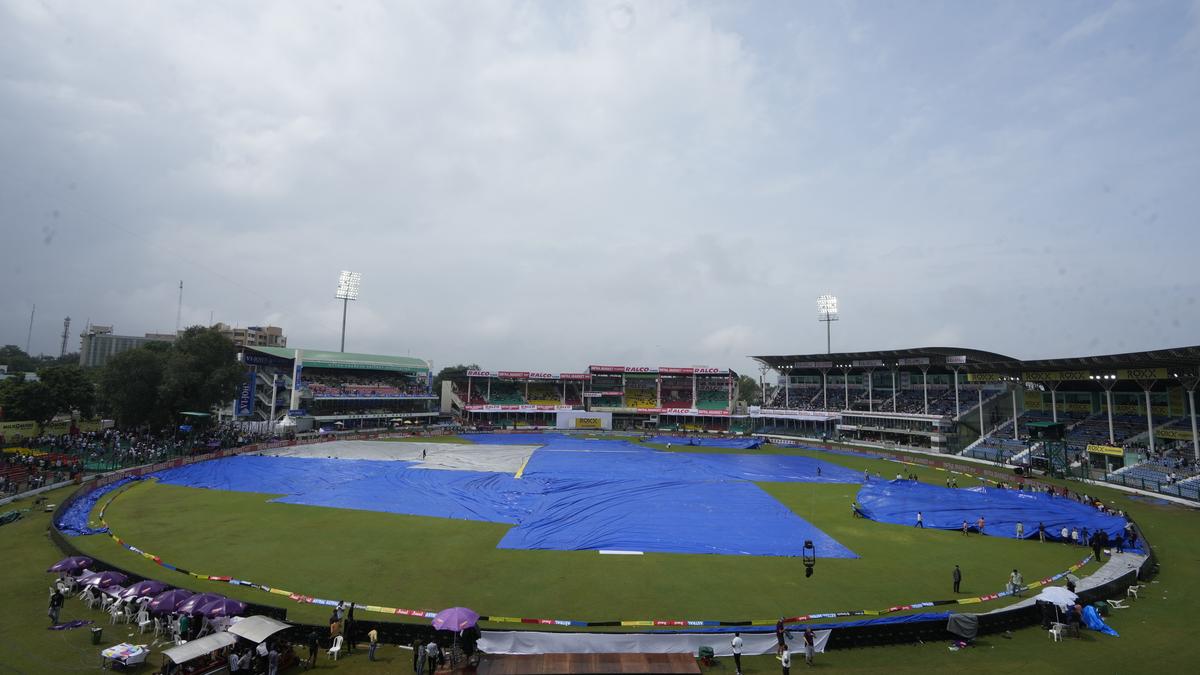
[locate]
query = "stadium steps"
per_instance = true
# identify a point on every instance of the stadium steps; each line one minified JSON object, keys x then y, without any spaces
{"x":981,"y":439}
{"x":1023,"y":457}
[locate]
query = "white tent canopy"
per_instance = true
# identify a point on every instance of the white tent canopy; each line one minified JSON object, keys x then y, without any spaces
{"x":257,"y":628}
{"x":197,"y":648}
{"x":1057,"y":595}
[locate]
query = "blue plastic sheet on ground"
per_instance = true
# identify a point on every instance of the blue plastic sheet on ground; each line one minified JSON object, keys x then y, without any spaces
{"x":742,"y":443}
{"x":73,"y":521}
{"x":668,"y":516}
{"x":1091,"y":619}
{"x":897,"y":501}
{"x":636,"y":463}
{"x":574,"y":494}
{"x":370,"y":485}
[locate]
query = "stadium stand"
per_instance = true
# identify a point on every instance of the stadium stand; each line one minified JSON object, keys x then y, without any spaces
{"x":543,"y":393}
{"x":505,"y":393}
{"x":640,"y":397}
{"x":712,"y":394}
{"x":796,"y":398}
{"x":997,"y":449}
{"x":1094,"y":429}
{"x":330,"y":384}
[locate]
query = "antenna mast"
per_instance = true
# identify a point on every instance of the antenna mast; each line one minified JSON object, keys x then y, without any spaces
{"x":66,"y":331}
{"x":29,"y":335}
{"x":179,"y":309}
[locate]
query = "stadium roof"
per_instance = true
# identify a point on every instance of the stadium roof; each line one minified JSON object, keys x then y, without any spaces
{"x":313,"y":358}
{"x":936,"y":357}
{"x":1181,"y":360}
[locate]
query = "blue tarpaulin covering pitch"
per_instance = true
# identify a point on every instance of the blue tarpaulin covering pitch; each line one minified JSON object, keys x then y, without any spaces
{"x":743,"y":443}
{"x":575,"y":494}
{"x":897,"y":501}
{"x":73,"y":521}
{"x":667,"y":516}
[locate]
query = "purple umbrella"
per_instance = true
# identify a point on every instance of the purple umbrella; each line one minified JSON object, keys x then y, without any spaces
{"x":144,"y":589}
{"x":455,"y":619}
{"x":221,"y":607}
{"x":192,"y":605}
{"x":103,"y":579}
{"x":72,"y":565}
{"x":113,"y":590}
{"x":166,"y":602}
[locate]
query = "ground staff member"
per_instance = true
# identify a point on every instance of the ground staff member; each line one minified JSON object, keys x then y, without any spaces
{"x":785,"y":659}
{"x":373,"y":640}
{"x":736,"y":645}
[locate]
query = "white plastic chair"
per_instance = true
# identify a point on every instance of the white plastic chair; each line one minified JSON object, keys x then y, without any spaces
{"x":115,"y":614}
{"x":158,"y":627}
{"x":1132,"y":591}
{"x":335,"y":649}
{"x":1056,"y":631}
{"x":1117,"y":604}
{"x":143,"y":621}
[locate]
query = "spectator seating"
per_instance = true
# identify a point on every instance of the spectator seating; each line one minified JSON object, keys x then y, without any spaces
{"x":712,"y":399}
{"x":543,"y":393}
{"x":641,"y":397}
{"x":1094,"y":430}
{"x":505,"y":393}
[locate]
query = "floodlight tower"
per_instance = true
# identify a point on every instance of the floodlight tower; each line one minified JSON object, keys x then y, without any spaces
{"x":827,"y":311}
{"x":347,"y":290}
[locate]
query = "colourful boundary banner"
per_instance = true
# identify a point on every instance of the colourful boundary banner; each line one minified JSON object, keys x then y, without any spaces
{"x":575,"y":623}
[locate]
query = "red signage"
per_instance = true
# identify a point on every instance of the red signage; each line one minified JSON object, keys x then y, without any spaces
{"x":574,"y":376}
{"x":514,"y":374}
{"x":691,"y":371}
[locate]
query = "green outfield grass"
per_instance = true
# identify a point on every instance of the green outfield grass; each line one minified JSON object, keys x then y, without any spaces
{"x":430,"y":439}
{"x":430,"y":563}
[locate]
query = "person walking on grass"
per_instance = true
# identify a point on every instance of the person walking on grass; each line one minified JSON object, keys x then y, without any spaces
{"x":957,"y":576}
{"x":785,"y":660}
{"x":736,"y":646}
{"x":1015,"y":582}
{"x":810,"y":644}
{"x":920,"y":521}
{"x":1042,"y":532}
{"x":372,"y":643}
{"x":1020,"y":530}
{"x":56,"y":603}
{"x":965,"y":529}
{"x":979,"y":524}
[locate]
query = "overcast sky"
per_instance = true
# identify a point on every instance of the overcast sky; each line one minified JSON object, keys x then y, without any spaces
{"x":541,"y":186}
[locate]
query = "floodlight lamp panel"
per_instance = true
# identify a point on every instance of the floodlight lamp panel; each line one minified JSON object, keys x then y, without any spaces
{"x":348,"y":285}
{"x":827,"y":307}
